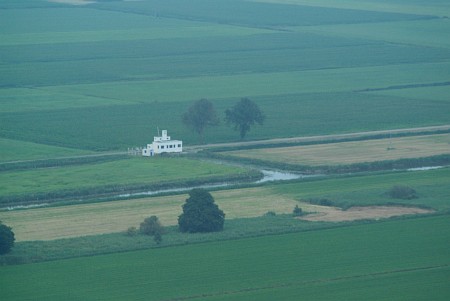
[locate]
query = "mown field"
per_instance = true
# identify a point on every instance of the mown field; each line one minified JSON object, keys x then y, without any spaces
{"x":352,"y":152}
{"x":388,"y":260}
{"x":116,"y":216}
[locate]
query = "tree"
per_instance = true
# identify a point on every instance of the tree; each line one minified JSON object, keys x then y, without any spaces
{"x":243,"y":115}
{"x":200,"y":213}
{"x":199,"y":116}
{"x":6,"y":238}
{"x":151,"y":226}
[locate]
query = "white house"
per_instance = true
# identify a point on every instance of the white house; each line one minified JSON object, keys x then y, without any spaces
{"x":162,"y":144}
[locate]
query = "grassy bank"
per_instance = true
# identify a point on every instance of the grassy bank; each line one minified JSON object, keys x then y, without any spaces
{"x":118,"y":176}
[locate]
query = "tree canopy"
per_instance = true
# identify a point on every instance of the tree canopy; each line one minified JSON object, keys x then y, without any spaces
{"x":199,"y":116}
{"x":243,"y":115}
{"x":200,"y":213}
{"x":6,"y":238}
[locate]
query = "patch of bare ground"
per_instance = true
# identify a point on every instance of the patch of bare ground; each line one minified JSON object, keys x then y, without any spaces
{"x":72,"y":2}
{"x":334,"y":214}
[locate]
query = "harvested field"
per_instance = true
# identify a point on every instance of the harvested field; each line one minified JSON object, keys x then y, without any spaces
{"x":334,"y":214}
{"x":353,"y":152}
{"x":98,"y":218}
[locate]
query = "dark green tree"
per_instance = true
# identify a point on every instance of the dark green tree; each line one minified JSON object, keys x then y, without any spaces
{"x":6,"y":238}
{"x":199,"y":116}
{"x":200,"y":213}
{"x":151,"y":226}
{"x":243,"y":115}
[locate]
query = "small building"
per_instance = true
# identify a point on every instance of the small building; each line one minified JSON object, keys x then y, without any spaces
{"x":162,"y":144}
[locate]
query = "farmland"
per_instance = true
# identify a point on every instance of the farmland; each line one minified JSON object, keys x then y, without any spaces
{"x":351,"y":259}
{"x":80,"y":84}
{"x":117,"y":216}
{"x":138,"y":65}
{"x":353,"y":152}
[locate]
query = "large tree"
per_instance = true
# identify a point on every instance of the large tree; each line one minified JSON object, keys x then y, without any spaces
{"x":6,"y":238}
{"x":199,"y":116}
{"x":200,"y":213}
{"x":243,"y":115}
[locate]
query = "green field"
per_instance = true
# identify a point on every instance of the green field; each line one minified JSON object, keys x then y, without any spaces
{"x":139,"y":65}
{"x":338,"y":264}
{"x":81,"y":79}
{"x":118,"y":173}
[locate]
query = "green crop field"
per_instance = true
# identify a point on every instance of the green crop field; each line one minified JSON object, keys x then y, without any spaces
{"x":132,"y":66}
{"x":352,"y":152}
{"x":351,"y":263}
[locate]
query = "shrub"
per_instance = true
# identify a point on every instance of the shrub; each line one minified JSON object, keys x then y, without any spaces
{"x":297,"y":211}
{"x":321,"y":202}
{"x":131,"y":231}
{"x":270,"y":213}
{"x":151,"y":226}
{"x":402,"y":192}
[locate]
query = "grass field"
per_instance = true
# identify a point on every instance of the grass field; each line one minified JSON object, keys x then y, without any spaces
{"x":13,"y":150}
{"x":353,"y":152}
{"x":128,"y":172}
{"x":336,"y":264}
{"x":116,"y":216}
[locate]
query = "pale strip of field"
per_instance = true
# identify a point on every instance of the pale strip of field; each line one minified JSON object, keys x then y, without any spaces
{"x":86,"y":219}
{"x":425,"y":8}
{"x":432,"y":32}
{"x":190,"y":30}
{"x":333,"y":214}
{"x":353,"y":152}
{"x":72,"y":2}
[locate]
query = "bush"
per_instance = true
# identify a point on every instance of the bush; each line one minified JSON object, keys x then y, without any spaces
{"x":6,"y":239}
{"x":321,"y":202}
{"x":297,"y":211}
{"x":151,"y":226}
{"x":132,"y":231}
{"x":402,"y":192}
{"x":270,"y":213}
